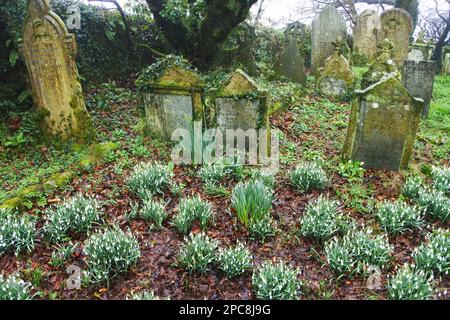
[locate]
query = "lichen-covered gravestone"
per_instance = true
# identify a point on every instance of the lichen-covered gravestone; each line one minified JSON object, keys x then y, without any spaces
{"x":327,"y":28}
{"x":365,"y":33}
{"x":418,"y":78}
{"x":337,"y":77}
{"x":447,"y":64}
{"x":240,"y":104}
{"x":397,"y":26}
{"x":49,"y":51}
{"x":172,"y":101}
{"x":383,"y":121}
{"x":291,"y":63}
{"x":415,"y":55}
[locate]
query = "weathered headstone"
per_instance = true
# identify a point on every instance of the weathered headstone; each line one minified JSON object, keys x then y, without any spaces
{"x":337,"y":77}
{"x":383,"y":122}
{"x":416,"y":55}
{"x":240,"y":104}
{"x":447,"y":64}
{"x":365,"y":33}
{"x":328,"y":27}
{"x":291,"y":63}
{"x":397,"y":26}
{"x":418,"y":78}
{"x":173,"y":101}
{"x":49,"y":51}
{"x":426,"y":49}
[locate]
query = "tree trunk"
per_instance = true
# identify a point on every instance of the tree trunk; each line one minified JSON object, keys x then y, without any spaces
{"x":437,"y":54}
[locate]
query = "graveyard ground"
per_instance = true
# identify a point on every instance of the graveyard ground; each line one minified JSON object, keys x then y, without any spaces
{"x":37,"y":177}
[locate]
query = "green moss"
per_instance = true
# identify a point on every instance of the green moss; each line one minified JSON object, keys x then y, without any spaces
{"x":96,"y":154}
{"x":13,"y":203}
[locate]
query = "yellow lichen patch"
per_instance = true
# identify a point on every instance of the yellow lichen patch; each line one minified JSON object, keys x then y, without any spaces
{"x":177,"y":77}
{"x":239,"y":84}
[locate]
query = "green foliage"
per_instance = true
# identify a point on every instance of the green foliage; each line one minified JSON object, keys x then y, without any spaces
{"x":307,"y":177}
{"x":398,"y":217}
{"x":144,"y":295}
{"x":153,"y":211}
{"x":410,"y":284}
{"x":235,"y":261}
{"x":191,"y":210}
{"x":213,"y":173}
{"x":262,"y":229}
{"x":213,"y":189}
{"x":352,"y":170}
{"x":441,"y":179}
{"x":276,"y":282}
{"x":17,"y":234}
{"x":412,"y":187}
{"x":149,"y":178}
{"x":252,"y":202}
{"x":433,"y":256}
{"x":436,"y":204}
{"x":356,"y":251}
{"x":14,"y":288}
{"x":76,"y":215}
{"x":321,"y":220}
{"x":61,"y":254}
{"x":198,"y":253}
{"x":110,"y":252}
{"x":187,"y":13}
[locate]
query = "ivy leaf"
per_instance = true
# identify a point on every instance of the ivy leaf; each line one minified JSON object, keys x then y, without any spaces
{"x":13,"y":57}
{"x":110,"y":35}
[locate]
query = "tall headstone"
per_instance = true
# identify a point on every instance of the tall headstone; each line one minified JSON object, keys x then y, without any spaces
{"x":291,"y":63}
{"x":337,"y":78}
{"x":327,"y":28}
{"x":383,"y":122}
{"x":397,"y":26}
{"x":173,"y":101}
{"x":365,"y":33}
{"x":49,"y":51}
{"x":446,"y":65}
{"x":418,"y":78}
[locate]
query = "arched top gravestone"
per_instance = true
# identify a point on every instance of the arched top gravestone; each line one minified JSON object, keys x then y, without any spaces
{"x":49,"y":51}
{"x":397,"y":26}
{"x":365,"y":33}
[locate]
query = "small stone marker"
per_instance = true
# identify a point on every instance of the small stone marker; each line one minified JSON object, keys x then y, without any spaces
{"x":397,"y":26}
{"x":383,"y":121}
{"x":365,"y":33}
{"x":418,"y":78}
{"x":174,"y":101}
{"x":291,"y":63}
{"x":337,"y":77}
{"x":49,"y":51}
{"x":328,"y":27}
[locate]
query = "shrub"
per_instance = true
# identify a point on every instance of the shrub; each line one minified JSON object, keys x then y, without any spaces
{"x":276,"y":282}
{"x":262,"y":229}
{"x":252,"y":202}
{"x":198,"y":253}
{"x":215,"y":190}
{"x":110,"y":253}
{"x":355,"y":252}
{"x":321,"y":220}
{"x":308,"y":176}
{"x":441,"y":179}
{"x":61,"y":254}
{"x":235,"y":261}
{"x":412,"y":187}
{"x":213,"y":173}
{"x":75,"y":215}
{"x":149,"y":178}
{"x":410,"y":284}
{"x":436,"y":204}
{"x":399,"y":217}
{"x":17,"y":234}
{"x":433,"y":256}
{"x":352,"y":170}
{"x":154,"y":211}
{"x":191,"y":210}
{"x":14,"y":288}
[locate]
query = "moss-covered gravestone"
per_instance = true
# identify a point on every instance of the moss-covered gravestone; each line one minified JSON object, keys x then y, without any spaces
{"x":418,"y":78}
{"x":365,"y":33}
{"x":172,"y":100}
{"x":291,"y":63}
{"x":337,"y":78}
{"x":384,"y":121}
{"x":397,"y":26}
{"x":240,"y":104}
{"x":327,"y":28}
{"x":49,"y":51}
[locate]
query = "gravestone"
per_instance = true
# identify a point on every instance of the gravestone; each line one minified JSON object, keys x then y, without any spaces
{"x":173,"y":102}
{"x":337,"y":77}
{"x":426,"y":50}
{"x":240,"y":104}
{"x":418,"y":78}
{"x":416,"y":55}
{"x":291,"y":63}
{"x":365,"y":33}
{"x":327,"y":28}
{"x":49,"y":51}
{"x":383,"y":122}
{"x":397,"y":26}
{"x":447,"y":64}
